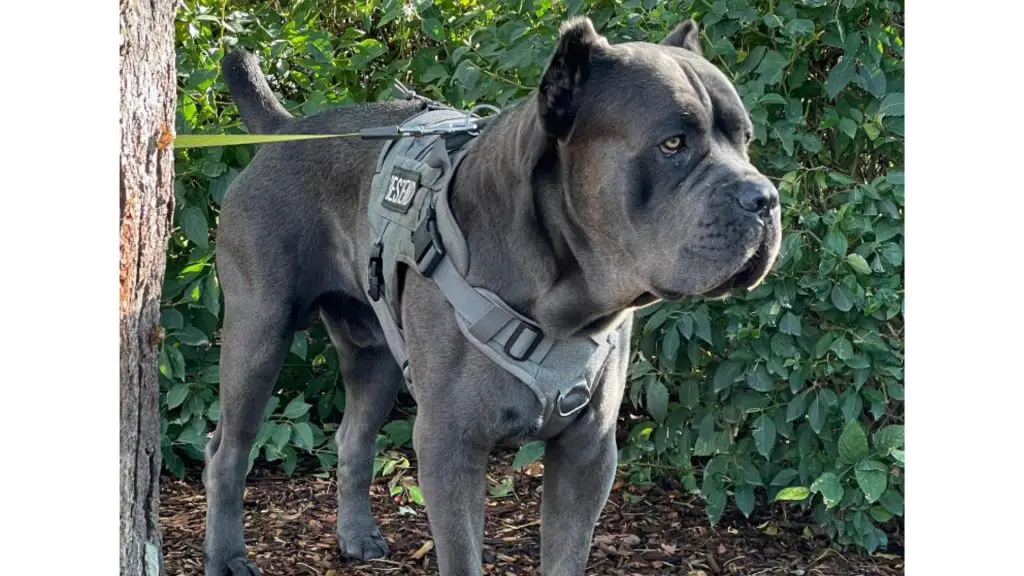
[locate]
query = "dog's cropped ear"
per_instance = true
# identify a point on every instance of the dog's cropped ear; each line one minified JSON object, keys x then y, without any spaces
{"x":686,"y":35}
{"x":561,"y":88}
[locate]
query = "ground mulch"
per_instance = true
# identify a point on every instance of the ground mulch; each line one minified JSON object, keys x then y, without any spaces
{"x":659,"y":529}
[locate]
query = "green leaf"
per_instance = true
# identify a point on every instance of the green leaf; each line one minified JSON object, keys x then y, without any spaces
{"x":792,"y":494}
{"x":842,"y":299}
{"x":296,"y":408}
{"x":897,"y":455}
{"x":888,"y":438}
{"x":784,"y":477}
{"x":800,"y":27}
{"x":529,"y":452}
{"x":685,"y":326}
{"x":433,"y":29}
{"x":782,"y":346}
{"x":872,"y":477}
{"x":830,"y":488}
{"x":824,"y":343}
{"x":399,"y":431}
{"x":858,"y":362}
{"x":892,"y":253}
{"x":816,"y":413}
{"x":772,"y":21}
{"x":728,"y":372}
{"x":748,"y":64}
{"x":171,"y":319}
{"x":790,"y":324}
{"x":747,"y":472}
{"x":771,"y":67}
{"x":191,"y":336}
{"x":670,"y":347}
{"x":657,"y":401}
{"x":853,"y":443}
{"x":303,"y":436}
{"x":892,"y":104}
{"x":744,"y":496}
{"x":501,"y":490}
{"x":852,"y":406}
{"x":760,"y":380}
{"x":872,"y":130}
{"x":764,"y":434}
{"x":211,"y":374}
{"x":300,"y":345}
{"x":689,"y":393}
{"x":702,"y":324}
{"x":193,"y":224}
{"x":880,"y":514}
{"x":173,"y":463}
{"x":715,"y":504}
{"x":874,"y":80}
{"x":281,"y":435}
{"x":177,"y":395}
{"x":858,"y":263}
{"x":892,"y":501}
{"x":164,"y":365}
{"x":839,"y":76}
{"x":843,"y":348}
{"x":797,"y":406}
{"x":848,"y":127}
{"x":836,"y":242}
{"x":211,"y":295}
{"x":416,"y":495}
{"x":213,"y":412}
{"x":290,"y":460}
{"x":706,"y":428}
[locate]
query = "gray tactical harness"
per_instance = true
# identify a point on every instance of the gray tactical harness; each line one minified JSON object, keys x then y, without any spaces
{"x":411,"y":224}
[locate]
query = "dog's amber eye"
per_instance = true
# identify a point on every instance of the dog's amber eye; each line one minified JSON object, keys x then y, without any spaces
{"x":672,"y":145}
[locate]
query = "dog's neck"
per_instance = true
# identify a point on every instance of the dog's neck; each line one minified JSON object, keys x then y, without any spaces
{"x":523,"y":240}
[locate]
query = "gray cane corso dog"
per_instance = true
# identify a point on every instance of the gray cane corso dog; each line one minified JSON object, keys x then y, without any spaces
{"x":624,"y":180}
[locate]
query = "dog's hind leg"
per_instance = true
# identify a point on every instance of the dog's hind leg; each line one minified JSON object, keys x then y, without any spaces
{"x":371,"y":378}
{"x":256,"y":337}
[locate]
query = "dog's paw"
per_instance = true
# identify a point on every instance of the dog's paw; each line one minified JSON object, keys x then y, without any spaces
{"x":366,"y":546}
{"x":238,"y":566}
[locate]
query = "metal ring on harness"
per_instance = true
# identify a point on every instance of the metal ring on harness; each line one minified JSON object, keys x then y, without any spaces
{"x":579,"y":394}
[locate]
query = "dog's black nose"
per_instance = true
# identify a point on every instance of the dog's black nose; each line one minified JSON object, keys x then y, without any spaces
{"x":758,"y":197}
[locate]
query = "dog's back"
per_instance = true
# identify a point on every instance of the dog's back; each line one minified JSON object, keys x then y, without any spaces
{"x":289,"y":213}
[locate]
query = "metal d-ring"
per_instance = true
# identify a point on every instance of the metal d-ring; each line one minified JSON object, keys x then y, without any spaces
{"x":577,"y":387}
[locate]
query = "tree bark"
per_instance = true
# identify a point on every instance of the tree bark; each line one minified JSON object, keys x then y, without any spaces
{"x":147,"y":181}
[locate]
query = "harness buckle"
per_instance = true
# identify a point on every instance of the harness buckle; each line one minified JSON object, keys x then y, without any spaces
{"x":523,"y":341}
{"x":427,"y":244}
{"x":375,"y":273}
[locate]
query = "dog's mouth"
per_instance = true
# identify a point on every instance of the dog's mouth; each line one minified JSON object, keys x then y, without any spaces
{"x":750,"y":274}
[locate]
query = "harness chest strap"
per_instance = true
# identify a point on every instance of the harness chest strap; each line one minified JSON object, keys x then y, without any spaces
{"x":411,"y":223}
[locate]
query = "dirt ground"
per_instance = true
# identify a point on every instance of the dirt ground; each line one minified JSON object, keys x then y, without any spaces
{"x":289,"y":529}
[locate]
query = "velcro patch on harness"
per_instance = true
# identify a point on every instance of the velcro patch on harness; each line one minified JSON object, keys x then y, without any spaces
{"x":401,"y":190}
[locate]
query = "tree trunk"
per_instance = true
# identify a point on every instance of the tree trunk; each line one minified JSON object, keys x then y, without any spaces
{"x":147,"y":182}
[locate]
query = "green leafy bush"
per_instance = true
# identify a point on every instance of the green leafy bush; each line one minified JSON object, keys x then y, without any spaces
{"x":792,"y":392}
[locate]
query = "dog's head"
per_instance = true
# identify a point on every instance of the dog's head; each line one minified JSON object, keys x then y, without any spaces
{"x":652,"y":146}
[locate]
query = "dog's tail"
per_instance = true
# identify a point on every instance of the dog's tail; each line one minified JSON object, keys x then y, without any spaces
{"x":260,"y":110}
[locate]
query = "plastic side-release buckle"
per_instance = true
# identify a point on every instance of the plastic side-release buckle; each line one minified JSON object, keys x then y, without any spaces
{"x":375,"y":275}
{"x":427,"y":244}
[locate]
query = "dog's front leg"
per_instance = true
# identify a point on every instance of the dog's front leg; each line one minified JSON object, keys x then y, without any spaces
{"x":452,"y":477}
{"x":579,"y":468}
